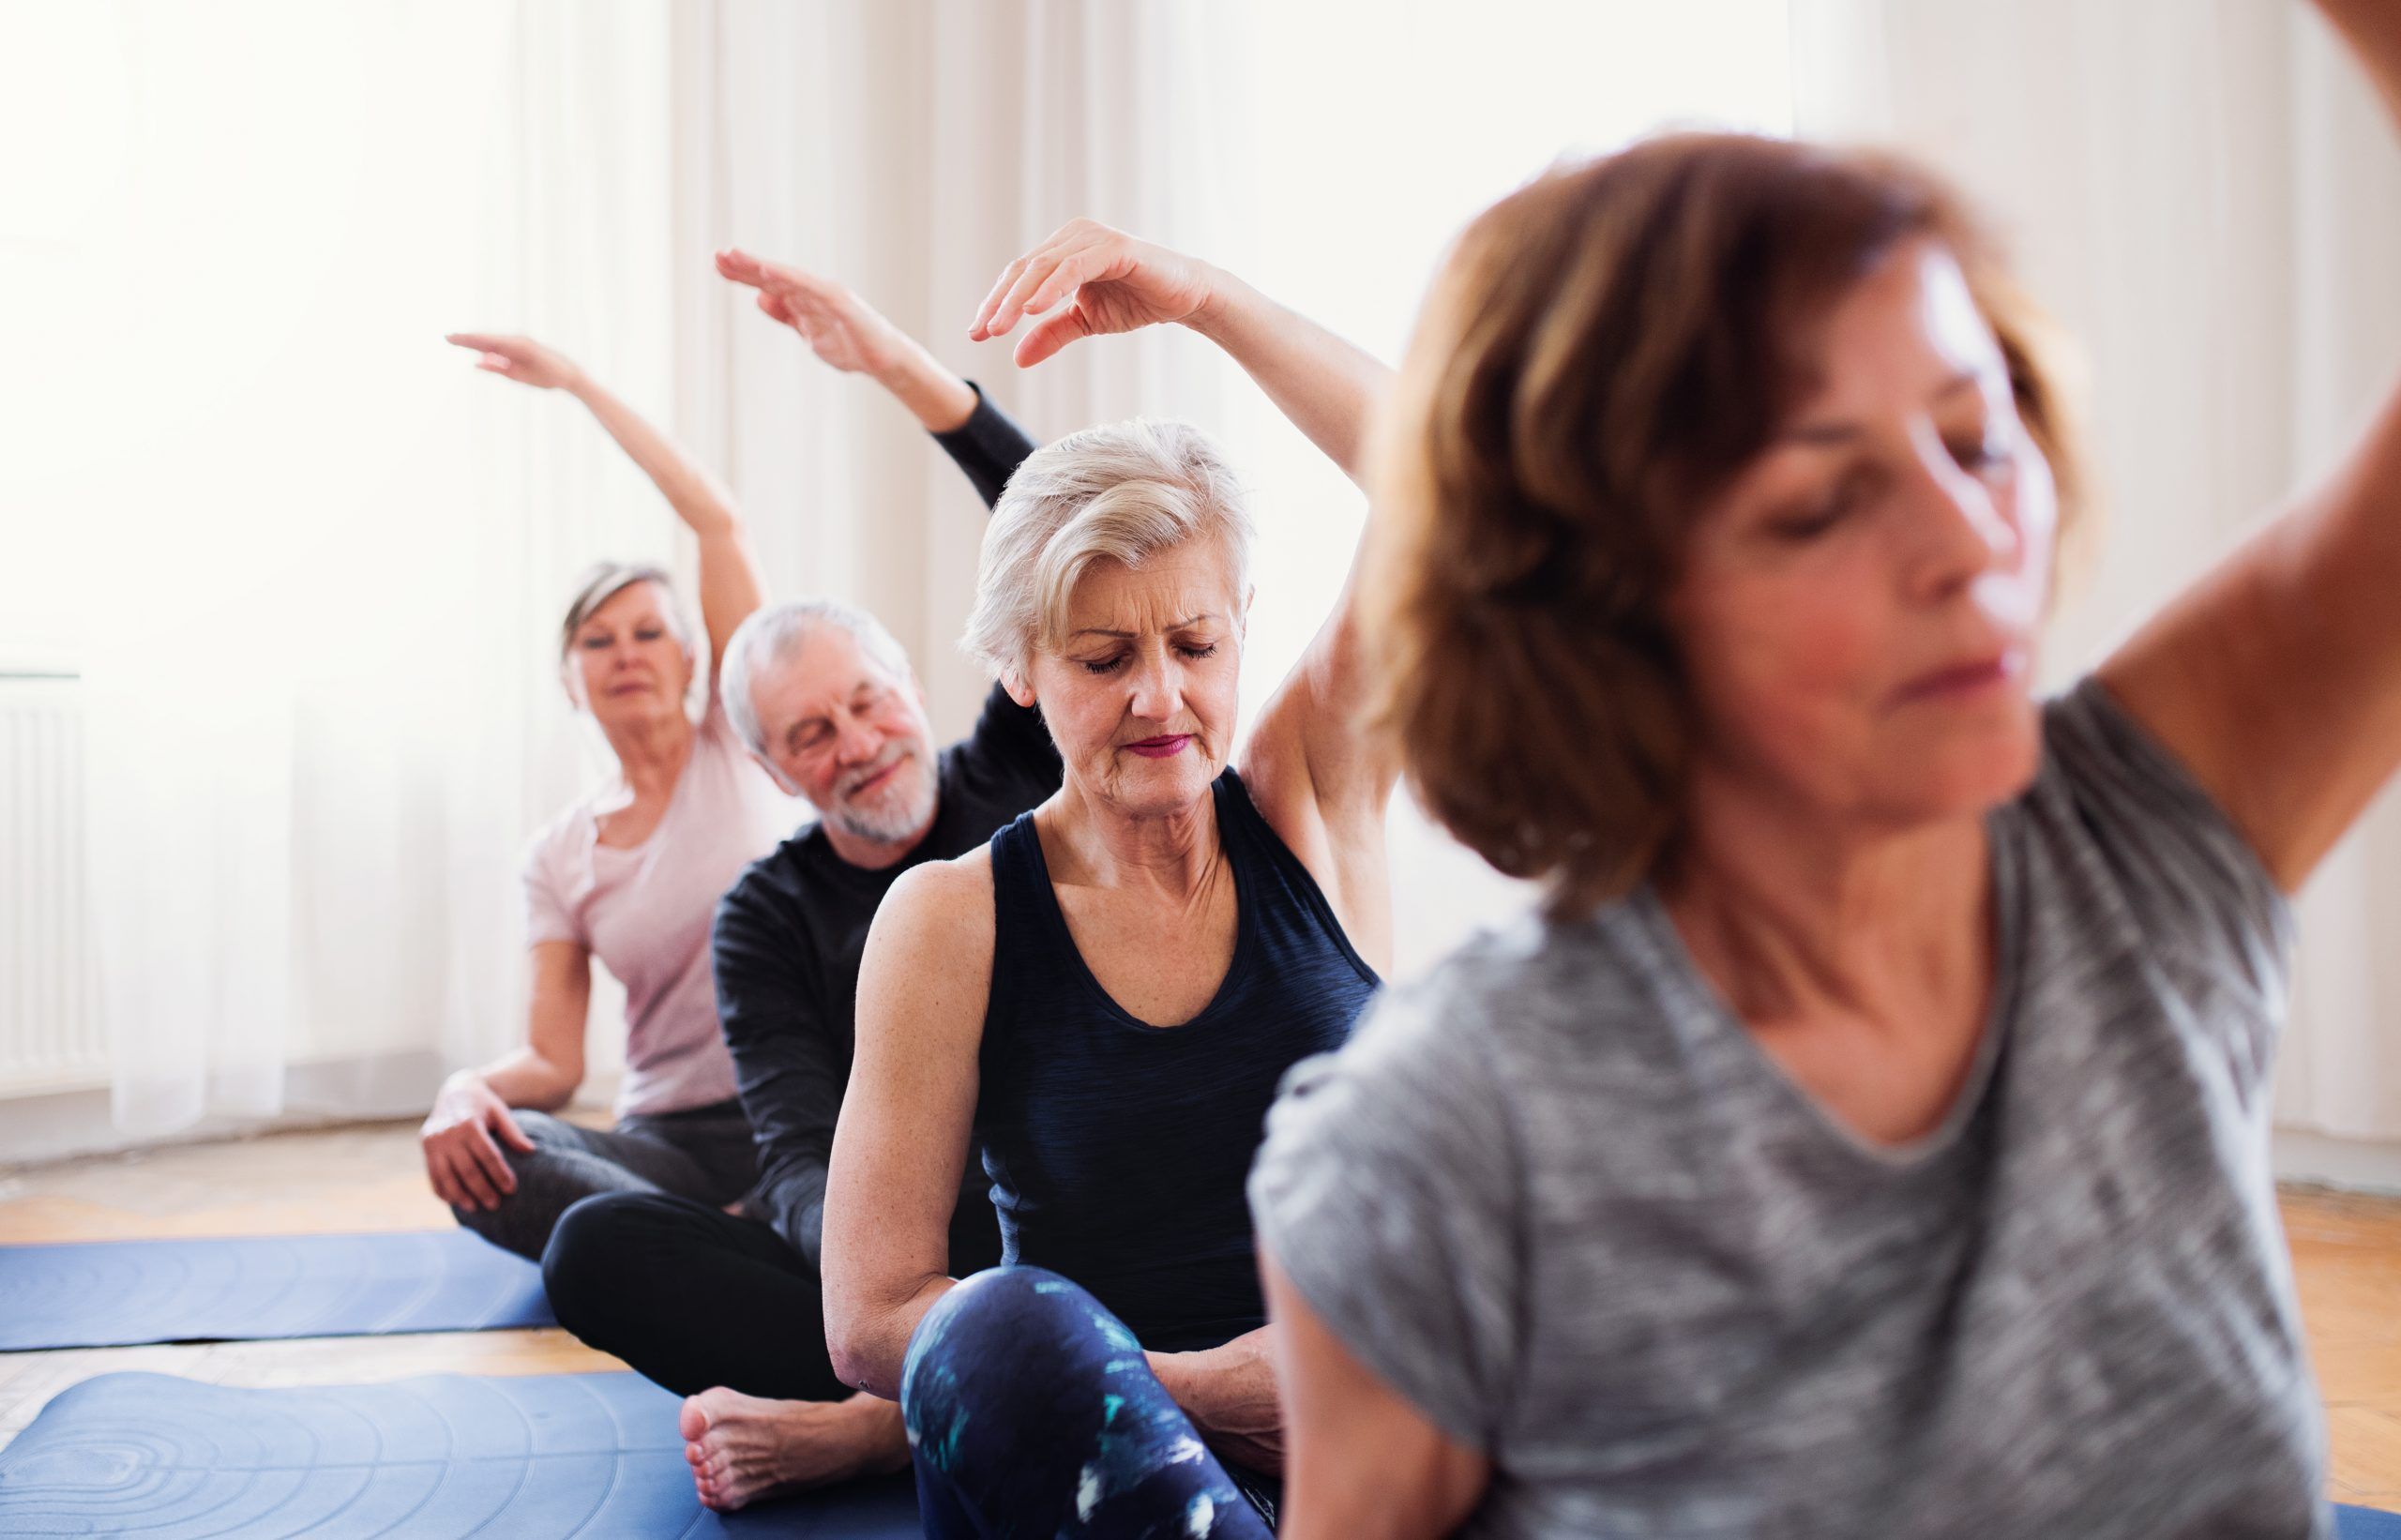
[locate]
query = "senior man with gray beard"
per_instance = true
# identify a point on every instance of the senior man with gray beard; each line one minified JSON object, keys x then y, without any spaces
{"x":722,"y":1308}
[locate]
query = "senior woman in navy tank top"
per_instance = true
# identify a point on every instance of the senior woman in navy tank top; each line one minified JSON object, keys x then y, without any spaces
{"x":1101,"y":1003}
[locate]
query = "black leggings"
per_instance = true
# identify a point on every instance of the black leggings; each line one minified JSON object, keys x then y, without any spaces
{"x":691,"y":1296}
{"x":704,"y":1153}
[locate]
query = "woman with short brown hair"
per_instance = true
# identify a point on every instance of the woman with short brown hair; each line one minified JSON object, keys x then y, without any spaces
{"x":1866,"y":1138}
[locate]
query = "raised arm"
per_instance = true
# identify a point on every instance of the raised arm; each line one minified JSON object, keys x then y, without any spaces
{"x":1089,"y":279}
{"x":731,"y":585}
{"x":1319,"y":779}
{"x":907,"y":1118}
{"x":849,"y":335}
{"x":2277,"y":678}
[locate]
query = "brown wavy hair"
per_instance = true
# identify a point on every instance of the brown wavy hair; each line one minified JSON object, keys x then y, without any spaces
{"x":1601,"y":354}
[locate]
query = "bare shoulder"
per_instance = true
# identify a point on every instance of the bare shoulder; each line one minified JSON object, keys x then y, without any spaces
{"x":940,"y":896}
{"x":930,"y":952}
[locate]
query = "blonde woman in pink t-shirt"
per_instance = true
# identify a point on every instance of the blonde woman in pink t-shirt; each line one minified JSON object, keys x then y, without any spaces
{"x":632,"y":875}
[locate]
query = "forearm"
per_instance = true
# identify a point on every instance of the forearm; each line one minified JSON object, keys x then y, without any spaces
{"x":1327,"y":386}
{"x":939,"y":400}
{"x":527,"y":1079}
{"x":730,"y":581}
{"x":699,"y":499}
{"x":986,"y":445}
{"x":1229,"y":1393}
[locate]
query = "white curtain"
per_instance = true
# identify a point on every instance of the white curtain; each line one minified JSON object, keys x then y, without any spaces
{"x":911,"y":149}
{"x":314,"y":559}
{"x":2209,"y":197}
{"x":314,"y":553}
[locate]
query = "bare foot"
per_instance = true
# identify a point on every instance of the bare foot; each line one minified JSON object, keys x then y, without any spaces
{"x":742,"y":1448}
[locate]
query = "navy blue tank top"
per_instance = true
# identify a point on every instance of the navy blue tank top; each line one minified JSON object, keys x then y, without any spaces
{"x":1118,"y":1150}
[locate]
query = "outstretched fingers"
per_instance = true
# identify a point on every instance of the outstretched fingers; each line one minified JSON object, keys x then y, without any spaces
{"x":985,"y":312}
{"x":1055,"y":271}
{"x":742,"y":267}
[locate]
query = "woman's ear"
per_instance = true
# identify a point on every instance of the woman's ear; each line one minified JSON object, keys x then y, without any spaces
{"x":1020,"y":688}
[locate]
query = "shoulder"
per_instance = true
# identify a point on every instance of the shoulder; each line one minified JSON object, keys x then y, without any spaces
{"x":2114,"y":806}
{"x":928,"y":963}
{"x":551,"y":850}
{"x":941,"y":910}
{"x":769,"y":894}
{"x":1504,"y":1023}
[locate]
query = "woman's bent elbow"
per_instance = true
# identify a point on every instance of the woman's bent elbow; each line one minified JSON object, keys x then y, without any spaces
{"x":851,"y":1347}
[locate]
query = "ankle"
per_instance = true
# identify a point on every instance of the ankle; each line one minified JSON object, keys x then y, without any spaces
{"x":876,"y":1435}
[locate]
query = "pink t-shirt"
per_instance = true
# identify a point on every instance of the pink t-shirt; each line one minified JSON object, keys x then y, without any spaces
{"x":645,"y":912}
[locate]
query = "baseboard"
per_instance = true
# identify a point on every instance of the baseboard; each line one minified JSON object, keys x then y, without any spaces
{"x":66,"y":1125}
{"x":2356,"y":1165}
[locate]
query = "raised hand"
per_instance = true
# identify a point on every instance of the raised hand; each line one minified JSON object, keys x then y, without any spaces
{"x":1089,"y":279}
{"x":843,"y":329}
{"x":518,"y":358}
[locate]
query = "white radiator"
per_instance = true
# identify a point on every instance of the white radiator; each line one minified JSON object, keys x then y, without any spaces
{"x":50,"y":1037}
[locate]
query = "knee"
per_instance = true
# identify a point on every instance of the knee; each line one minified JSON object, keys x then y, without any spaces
{"x":543,"y":1131}
{"x":547,"y":1134}
{"x":589,"y":1252}
{"x":1027,"y":1319}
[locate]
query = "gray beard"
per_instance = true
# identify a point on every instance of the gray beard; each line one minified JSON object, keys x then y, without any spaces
{"x":893,"y":822}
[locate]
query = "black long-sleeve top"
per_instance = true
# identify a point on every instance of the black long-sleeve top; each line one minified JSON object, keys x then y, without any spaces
{"x":790,"y":930}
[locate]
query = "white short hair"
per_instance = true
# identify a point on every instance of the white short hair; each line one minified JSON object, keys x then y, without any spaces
{"x":774,"y":635}
{"x":1127,"y":490}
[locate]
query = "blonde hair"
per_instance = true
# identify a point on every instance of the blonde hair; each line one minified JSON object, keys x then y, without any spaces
{"x":1127,"y":491}
{"x":1603,"y":351}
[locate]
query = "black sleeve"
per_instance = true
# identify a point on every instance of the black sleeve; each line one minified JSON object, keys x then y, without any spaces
{"x":1010,"y":745}
{"x":988,"y":447}
{"x":789,"y":1064}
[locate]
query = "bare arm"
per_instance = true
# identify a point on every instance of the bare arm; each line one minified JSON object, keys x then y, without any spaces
{"x":462,"y":1136}
{"x":901,"y":1142}
{"x":2276,"y":679}
{"x":1364,"y":1464}
{"x":1319,"y":779}
{"x":849,"y":335}
{"x":730,"y":584}
{"x":1109,"y":281}
{"x":1229,"y":1393}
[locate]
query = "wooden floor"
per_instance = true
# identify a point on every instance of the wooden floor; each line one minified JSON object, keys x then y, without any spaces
{"x":2347,"y":1256}
{"x":347,"y":1179}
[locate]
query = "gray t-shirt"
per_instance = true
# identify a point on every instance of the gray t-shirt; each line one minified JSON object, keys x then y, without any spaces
{"x":1558,"y":1197}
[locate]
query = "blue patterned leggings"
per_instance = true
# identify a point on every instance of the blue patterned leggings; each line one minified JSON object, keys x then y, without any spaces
{"x":1032,"y":1412}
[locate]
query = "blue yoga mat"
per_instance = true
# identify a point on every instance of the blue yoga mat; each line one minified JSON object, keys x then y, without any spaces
{"x":2365,"y":1523}
{"x":546,"y":1455}
{"x":110,"y":1293}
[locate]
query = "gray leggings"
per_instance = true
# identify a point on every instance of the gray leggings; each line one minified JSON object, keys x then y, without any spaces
{"x":703,"y":1153}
